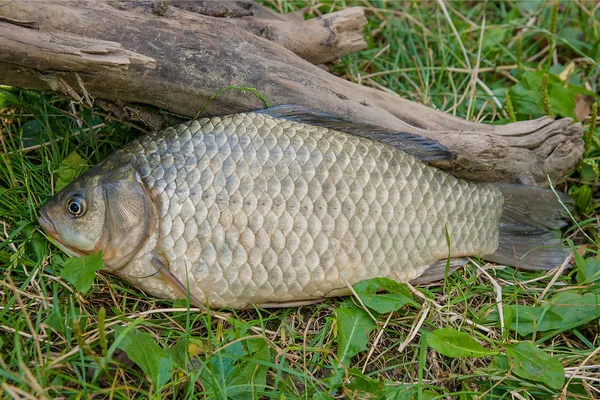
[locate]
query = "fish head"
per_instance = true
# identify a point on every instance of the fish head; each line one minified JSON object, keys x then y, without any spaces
{"x":106,"y":209}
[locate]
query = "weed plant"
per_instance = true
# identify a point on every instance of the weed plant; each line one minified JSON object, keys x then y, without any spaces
{"x":486,"y":331}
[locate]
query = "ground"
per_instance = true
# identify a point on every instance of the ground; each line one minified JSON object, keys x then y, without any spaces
{"x":485,"y":331}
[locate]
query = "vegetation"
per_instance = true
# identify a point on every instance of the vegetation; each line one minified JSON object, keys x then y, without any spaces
{"x":484,"y":332}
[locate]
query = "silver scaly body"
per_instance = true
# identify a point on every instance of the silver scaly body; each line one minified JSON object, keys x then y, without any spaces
{"x":252,"y":209}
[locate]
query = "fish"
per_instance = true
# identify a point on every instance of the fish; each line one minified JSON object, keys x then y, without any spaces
{"x":287,"y":206}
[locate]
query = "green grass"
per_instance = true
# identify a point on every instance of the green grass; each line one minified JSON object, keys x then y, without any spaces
{"x":58,"y":342}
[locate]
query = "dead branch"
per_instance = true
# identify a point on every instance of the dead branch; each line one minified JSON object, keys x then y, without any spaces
{"x":197,"y":55}
{"x":65,"y":52}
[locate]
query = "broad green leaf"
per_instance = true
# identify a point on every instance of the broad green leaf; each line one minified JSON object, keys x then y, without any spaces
{"x":57,"y":381}
{"x":56,"y":320}
{"x":238,"y":371}
{"x":80,"y":271}
{"x":588,"y":170}
{"x":226,"y":358}
{"x":589,"y":270}
{"x":7,"y":98}
{"x":36,"y":242}
{"x":526,"y":101}
{"x":69,"y":169}
{"x":562,"y":100}
{"x":322,"y":396}
{"x":527,"y":95}
{"x":566,"y":309}
{"x":177,"y":352}
{"x":534,"y":364}
{"x":493,"y":38}
{"x":574,"y":307}
{"x":143,"y":350}
{"x":530,"y":7}
{"x":31,"y":133}
{"x":573,"y":35}
{"x":527,"y":319}
{"x":353,"y":328}
{"x":248,"y":378}
{"x":397,"y":297}
{"x":453,"y":343}
{"x":500,"y":363}
{"x":583,"y":197}
{"x":362,"y":383}
{"x":425,"y":395}
{"x":402,"y":392}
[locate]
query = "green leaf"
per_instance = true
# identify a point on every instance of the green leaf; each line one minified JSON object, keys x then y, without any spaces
{"x":56,"y":320}
{"x":588,"y":270}
{"x":453,"y":343}
{"x":527,"y":95}
{"x":178,"y":352}
{"x":573,"y":36}
{"x":588,"y":169}
{"x":500,"y":363}
{"x":7,"y":98}
{"x":567,"y":309}
{"x":527,"y":319}
{"x":248,"y":378}
{"x":526,"y":101}
{"x":36,"y":242}
{"x":562,"y":100}
{"x":31,"y":133}
{"x":322,"y":396}
{"x":534,"y":364}
{"x":402,"y":392}
{"x":224,"y":360}
{"x":143,"y":350}
{"x":69,"y":169}
{"x":530,"y":7}
{"x":583,"y":198}
{"x":80,"y":271}
{"x":574,"y":307}
{"x":363,"y":384}
{"x":353,"y":328}
{"x":397,"y":297}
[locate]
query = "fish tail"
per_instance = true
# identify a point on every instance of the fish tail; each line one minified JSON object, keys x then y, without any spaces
{"x":530,"y":236}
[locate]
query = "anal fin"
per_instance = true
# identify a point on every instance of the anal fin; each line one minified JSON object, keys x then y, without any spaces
{"x":437,"y":270}
{"x":292,"y":303}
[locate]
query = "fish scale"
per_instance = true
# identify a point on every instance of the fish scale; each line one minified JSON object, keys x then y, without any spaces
{"x":254,"y":209}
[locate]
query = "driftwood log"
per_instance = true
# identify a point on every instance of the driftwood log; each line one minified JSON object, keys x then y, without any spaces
{"x":176,"y":54}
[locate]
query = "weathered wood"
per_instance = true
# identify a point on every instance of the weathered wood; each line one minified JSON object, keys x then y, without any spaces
{"x":57,"y":51}
{"x":197,"y":55}
{"x":318,"y":40}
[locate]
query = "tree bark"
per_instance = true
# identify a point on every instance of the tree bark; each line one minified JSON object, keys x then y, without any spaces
{"x":176,"y":59}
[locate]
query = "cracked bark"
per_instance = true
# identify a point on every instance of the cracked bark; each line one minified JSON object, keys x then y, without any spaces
{"x":177,"y":59}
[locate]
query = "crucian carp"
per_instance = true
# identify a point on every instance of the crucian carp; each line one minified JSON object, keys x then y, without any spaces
{"x":287,"y":206}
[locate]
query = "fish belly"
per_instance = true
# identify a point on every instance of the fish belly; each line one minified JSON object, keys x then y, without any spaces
{"x":254,"y":209}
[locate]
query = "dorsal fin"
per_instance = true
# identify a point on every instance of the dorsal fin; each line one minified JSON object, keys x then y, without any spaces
{"x":413,"y":144}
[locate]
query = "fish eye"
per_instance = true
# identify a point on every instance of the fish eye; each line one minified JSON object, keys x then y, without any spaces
{"x":76,"y":206}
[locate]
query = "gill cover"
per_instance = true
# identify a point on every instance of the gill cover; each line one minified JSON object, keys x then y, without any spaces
{"x":106,"y":209}
{"x":130,"y":216}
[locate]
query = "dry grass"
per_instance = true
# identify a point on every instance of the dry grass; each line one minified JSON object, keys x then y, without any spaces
{"x":56,"y":342}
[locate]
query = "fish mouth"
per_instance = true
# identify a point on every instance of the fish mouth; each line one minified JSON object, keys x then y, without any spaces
{"x":49,"y":227}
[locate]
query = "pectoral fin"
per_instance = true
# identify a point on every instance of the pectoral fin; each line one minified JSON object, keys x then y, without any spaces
{"x":413,"y":144}
{"x":175,"y":283}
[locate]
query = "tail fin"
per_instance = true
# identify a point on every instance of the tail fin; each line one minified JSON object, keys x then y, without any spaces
{"x":530,"y":236}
